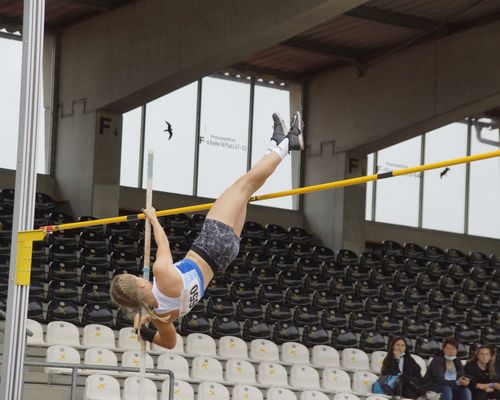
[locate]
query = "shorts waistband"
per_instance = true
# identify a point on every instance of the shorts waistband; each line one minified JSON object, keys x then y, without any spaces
{"x":203,"y":254}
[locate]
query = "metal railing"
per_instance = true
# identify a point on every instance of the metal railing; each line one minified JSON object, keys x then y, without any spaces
{"x":75,"y":367}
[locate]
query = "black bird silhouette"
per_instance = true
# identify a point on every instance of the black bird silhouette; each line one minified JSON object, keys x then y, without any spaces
{"x":169,"y":130}
{"x":444,"y":172}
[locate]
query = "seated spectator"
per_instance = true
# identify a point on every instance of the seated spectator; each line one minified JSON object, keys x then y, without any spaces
{"x":484,"y":382}
{"x":400,"y":362}
{"x":445,"y":374}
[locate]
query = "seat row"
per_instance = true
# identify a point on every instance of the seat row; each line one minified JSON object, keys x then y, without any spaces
{"x":98,"y":387}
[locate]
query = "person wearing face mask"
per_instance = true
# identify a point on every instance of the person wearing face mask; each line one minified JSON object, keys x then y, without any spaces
{"x":399,"y":361}
{"x":484,"y":382}
{"x":445,"y":374}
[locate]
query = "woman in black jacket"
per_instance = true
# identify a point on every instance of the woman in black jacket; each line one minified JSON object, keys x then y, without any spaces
{"x":399,"y":362}
{"x":445,"y":374}
{"x":484,"y":382}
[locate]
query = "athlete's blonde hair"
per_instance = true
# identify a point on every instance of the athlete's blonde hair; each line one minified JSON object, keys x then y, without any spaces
{"x":126,"y":295}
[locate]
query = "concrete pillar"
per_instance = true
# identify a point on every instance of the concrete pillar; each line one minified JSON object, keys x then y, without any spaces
{"x":88,"y":161}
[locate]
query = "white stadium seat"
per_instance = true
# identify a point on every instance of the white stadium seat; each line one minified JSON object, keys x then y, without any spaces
{"x":246,"y":392}
{"x":199,"y":344}
{"x":280,"y":394}
{"x":176,"y":363}
{"x":420,"y":361}
{"x":37,"y":330}
{"x":178,"y":349}
{"x":336,"y":380}
{"x":272,"y":374}
{"x":61,"y":354}
{"x":101,"y":387}
{"x":131,"y":389}
{"x":376,"y":397}
{"x":345,"y":396}
{"x":313,"y":395}
{"x":61,"y":332}
{"x":98,"y":356}
{"x":132,"y":359}
{"x":304,"y":377}
{"x":294,"y":353}
{"x":325,"y":356}
{"x":362,"y":382}
{"x":264,"y":350}
{"x":239,"y":371}
{"x":182,"y":390}
{"x":206,"y":369}
{"x":127,"y":340}
{"x":212,"y":391}
{"x":95,"y":335}
{"x":376,"y":360}
{"x":355,"y":359}
{"x":232,"y":347}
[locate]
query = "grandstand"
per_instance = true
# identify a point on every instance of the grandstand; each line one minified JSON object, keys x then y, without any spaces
{"x":322,"y":280}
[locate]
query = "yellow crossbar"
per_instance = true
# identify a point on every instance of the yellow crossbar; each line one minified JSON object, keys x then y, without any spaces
{"x":307,"y":189}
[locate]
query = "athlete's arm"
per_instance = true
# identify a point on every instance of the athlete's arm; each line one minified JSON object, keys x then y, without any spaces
{"x":161,"y":239}
{"x":165,"y":336}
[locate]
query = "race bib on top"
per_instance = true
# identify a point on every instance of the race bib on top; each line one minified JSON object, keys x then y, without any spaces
{"x":190,"y":296}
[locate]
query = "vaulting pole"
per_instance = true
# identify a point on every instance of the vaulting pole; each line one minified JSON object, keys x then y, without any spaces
{"x":307,"y":189}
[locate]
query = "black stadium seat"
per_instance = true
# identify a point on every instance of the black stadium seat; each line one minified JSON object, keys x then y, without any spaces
{"x":324,"y":254}
{"x":393,"y":262}
{"x":95,"y":293}
{"x":451,"y":316}
{"x":247,"y":310}
{"x":219,"y":306}
{"x":256,"y":329}
{"x":123,"y":319}
{"x":297,"y":297}
{"x":278,"y":313}
{"x":333,"y":319}
{"x":439,"y":331}
{"x":249,"y":243}
{"x":269,"y":294}
{"x":63,"y":310}
{"x":239,"y":291}
{"x":62,"y":290}
{"x":359,"y":322}
{"x":413,"y":250}
{"x":237,"y":273}
{"x":35,"y":311}
{"x":305,"y":315}
{"x":375,"y":306}
{"x":349,"y":303}
{"x":98,"y":314}
{"x":95,"y":274}
{"x":371,"y":341}
{"x":225,"y":326}
{"x":308,"y":265}
{"x":413,"y":328}
{"x":369,"y":260}
{"x":299,"y":235}
{"x":92,"y":240}
{"x":285,"y":332}
{"x":253,"y":229}
{"x":255,"y":259}
{"x":322,"y":300}
{"x":343,"y":339}
{"x":392,"y":248}
{"x":276,"y":232}
{"x":194,"y":323}
{"x":283,"y":262}
{"x":426,"y":348}
{"x":315,"y":335}
{"x":479,"y":259}
{"x":290,"y":279}
{"x":217,"y":289}
{"x":314,"y":282}
{"x":347,"y":257}
{"x":477,"y":318}
{"x":264,"y":276}
{"x":467,"y":335}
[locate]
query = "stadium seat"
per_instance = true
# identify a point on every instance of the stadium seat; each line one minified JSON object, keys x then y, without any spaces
{"x":357,"y":273}
{"x":225,"y":326}
{"x":413,"y":296}
{"x":314,"y":282}
{"x":315,"y":335}
{"x":492,"y":289}
{"x":297,"y":297}
{"x":427,"y":313}
{"x":362,"y":382}
{"x":182,"y":390}
{"x":480,"y":274}
{"x":330,"y":269}
{"x":413,"y":328}
{"x":264,"y":276}
{"x":283,"y":263}
{"x":354,"y":359}
{"x":359,"y":322}
{"x":36,"y":291}
{"x":376,"y":360}
{"x":95,"y":274}
{"x":304,"y":377}
{"x":61,"y":354}
{"x":123,"y":261}
{"x":272,"y":374}
{"x":280,"y":394}
{"x":206,"y":369}
{"x":127,"y":340}
{"x":99,"y":356}
{"x":131,"y":389}
{"x":256,"y":259}
{"x":340,"y":286}
{"x":324,"y":254}
{"x":439,"y":331}
{"x":450,"y":316}
{"x":490,"y":335}
{"x":276,"y":232}
{"x":35,"y":310}
{"x":36,"y":328}
{"x":305,"y":315}
{"x":95,"y":293}
{"x":333,"y":319}
{"x":212,"y":391}
{"x":325,"y":356}
{"x":467,"y":335}
{"x":389,"y":293}
{"x":246,"y":309}
{"x":256,"y":329}
{"x":200,"y":344}
{"x":403,"y":279}
{"x":131,"y":359}
{"x":176,"y":363}
{"x":486,"y":304}
{"x":278,"y":313}
{"x":343,"y":339}
{"x":93,"y":257}
{"x":285,"y":332}
{"x":122,"y":244}
{"x":371,"y":341}
{"x":101,"y":387}
{"x":123,"y":319}
{"x":253,"y":229}
{"x":246,"y":291}
{"x":421,"y":362}
{"x":426,"y":348}
{"x":301,"y":250}
{"x":299,"y":235}
{"x":322,"y":300}
{"x":92,"y":240}
{"x":232,"y":347}
{"x":96,"y":335}
{"x":276,"y":248}
{"x":350,"y":303}
{"x":239,"y":371}
{"x":365,"y":289}
{"x":387,"y":325}
{"x":217,"y":288}
{"x":263,"y":350}
{"x":194,"y":323}
{"x":313,"y":395}
{"x":433,"y":253}
{"x":178,"y":349}
{"x":290,"y":280}
{"x":61,"y":271}
{"x":237,"y":273}
{"x":246,"y":392}
{"x":335,"y":380}
{"x":477,"y":318}
{"x":347,"y":257}
{"x":119,"y":228}
{"x":294,"y":353}
{"x":62,"y":290}
{"x":62,"y":253}
{"x":61,"y":332}
{"x":375,"y":306}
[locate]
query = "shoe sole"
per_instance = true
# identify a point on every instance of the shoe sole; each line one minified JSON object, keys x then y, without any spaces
{"x":300,"y":136}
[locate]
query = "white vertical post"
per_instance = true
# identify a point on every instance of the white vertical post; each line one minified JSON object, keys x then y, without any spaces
{"x":24,"y":203}
{"x":146,"y":268}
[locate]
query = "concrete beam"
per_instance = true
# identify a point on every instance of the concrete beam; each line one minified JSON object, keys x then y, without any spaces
{"x":138,"y":52}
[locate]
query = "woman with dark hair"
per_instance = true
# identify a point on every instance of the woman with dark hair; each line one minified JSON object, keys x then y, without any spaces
{"x":445,"y":374}
{"x":400,"y":362}
{"x":484,"y":383}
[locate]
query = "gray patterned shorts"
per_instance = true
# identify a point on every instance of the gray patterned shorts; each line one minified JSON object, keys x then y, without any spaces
{"x":217,"y":244}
